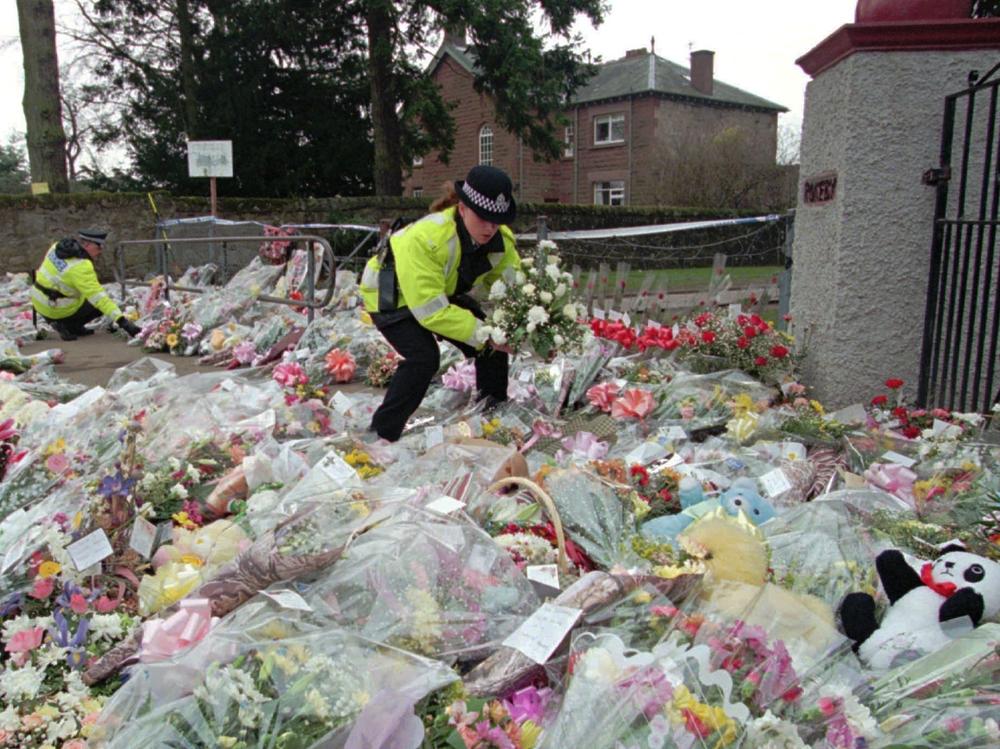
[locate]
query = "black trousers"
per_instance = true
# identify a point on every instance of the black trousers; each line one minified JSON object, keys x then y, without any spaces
{"x":421,"y":360}
{"x":75,"y":322}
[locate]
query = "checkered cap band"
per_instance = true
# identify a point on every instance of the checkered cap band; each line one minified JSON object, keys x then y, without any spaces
{"x":498,"y":205}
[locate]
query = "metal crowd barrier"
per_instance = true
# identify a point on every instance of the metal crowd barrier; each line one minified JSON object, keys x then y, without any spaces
{"x":161,"y":248}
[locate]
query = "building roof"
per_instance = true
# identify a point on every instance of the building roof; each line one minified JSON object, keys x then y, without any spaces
{"x":635,"y":75}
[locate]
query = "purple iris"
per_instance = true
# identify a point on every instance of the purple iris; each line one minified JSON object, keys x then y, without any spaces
{"x":77,"y":655}
{"x":12,"y":603}
{"x":115,"y":486}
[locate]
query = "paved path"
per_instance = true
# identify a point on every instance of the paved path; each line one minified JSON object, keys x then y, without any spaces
{"x":92,"y":360}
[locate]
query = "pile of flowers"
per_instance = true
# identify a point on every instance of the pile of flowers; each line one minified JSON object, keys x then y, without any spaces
{"x":172,"y":332}
{"x":535,"y":310}
{"x":890,"y":410}
{"x":712,"y":341}
{"x":383,"y":366}
{"x":295,"y":382}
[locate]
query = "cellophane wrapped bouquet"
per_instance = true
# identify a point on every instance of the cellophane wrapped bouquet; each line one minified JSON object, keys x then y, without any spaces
{"x":429,"y":585}
{"x":535,"y":309}
{"x":309,"y":690}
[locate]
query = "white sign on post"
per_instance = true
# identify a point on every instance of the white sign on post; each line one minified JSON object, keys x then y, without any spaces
{"x":210,"y":158}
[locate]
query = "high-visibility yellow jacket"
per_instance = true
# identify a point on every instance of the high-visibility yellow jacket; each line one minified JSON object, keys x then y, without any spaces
{"x":68,"y":271}
{"x":427,"y":254}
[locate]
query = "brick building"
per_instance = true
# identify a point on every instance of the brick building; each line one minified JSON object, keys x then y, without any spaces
{"x":630,"y":130}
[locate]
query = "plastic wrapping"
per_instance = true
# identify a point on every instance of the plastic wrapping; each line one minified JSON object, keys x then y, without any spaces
{"x":592,"y":515}
{"x":428,"y":585}
{"x":307,"y":690}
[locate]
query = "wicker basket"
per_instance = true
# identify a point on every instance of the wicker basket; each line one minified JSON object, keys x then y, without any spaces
{"x":550,"y":509}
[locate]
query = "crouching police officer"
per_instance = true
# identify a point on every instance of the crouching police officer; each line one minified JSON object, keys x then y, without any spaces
{"x":66,"y":292}
{"x":416,"y":291}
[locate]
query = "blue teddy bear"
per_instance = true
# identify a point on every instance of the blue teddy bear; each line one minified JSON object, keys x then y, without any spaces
{"x":741,"y":496}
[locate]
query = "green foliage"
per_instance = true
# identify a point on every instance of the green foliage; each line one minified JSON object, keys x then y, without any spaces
{"x":14,"y":177}
{"x":282,"y":79}
{"x":293,"y":85}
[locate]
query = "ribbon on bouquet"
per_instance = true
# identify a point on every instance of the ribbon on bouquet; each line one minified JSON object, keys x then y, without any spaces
{"x":538,"y":430}
{"x":892,"y":478}
{"x":162,"y":638}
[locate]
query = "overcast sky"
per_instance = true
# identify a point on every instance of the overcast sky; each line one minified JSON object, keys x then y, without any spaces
{"x":756,"y":43}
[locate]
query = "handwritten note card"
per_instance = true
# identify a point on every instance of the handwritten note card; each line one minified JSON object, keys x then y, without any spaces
{"x":540,"y":634}
{"x":89,"y":550}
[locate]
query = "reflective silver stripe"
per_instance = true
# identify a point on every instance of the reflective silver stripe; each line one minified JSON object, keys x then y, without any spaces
{"x":96,"y":298}
{"x":55,"y":283}
{"x":437,"y":218}
{"x":43,"y":300}
{"x":452,"y":256}
{"x":369,"y":278}
{"x":427,"y":309}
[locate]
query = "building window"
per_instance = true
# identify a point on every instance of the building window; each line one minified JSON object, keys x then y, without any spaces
{"x":568,"y":139}
{"x":486,"y":146}
{"x":609,"y":128}
{"x":418,"y":192}
{"x":609,"y":193}
{"x":418,"y":161}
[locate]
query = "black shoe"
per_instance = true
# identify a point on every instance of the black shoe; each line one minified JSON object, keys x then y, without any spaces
{"x":65,"y":333}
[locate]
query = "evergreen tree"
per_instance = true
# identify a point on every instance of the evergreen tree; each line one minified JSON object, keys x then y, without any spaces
{"x":14,"y":176}
{"x":527,"y":82}
{"x":282,"y":79}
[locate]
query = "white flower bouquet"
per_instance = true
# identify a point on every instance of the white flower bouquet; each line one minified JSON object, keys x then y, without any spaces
{"x":535,"y":308}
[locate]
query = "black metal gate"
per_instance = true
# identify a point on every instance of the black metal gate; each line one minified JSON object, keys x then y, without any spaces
{"x":958,"y":360}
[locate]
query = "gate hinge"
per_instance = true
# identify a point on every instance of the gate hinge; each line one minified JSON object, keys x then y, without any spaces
{"x":936,"y":176}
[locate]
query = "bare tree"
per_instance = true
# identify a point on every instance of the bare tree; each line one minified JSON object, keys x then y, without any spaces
{"x":42,"y":108}
{"x":718,"y":170}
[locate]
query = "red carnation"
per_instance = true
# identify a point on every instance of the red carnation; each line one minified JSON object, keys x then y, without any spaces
{"x":880,"y":400}
{"x":760,"y":361}
{"x":779,"y":351}
{"x":893,"y":383}
{"x":911,"y":432}
{"x":742,"y":342}
{"x":708,"y":336}
{"x":750,"y":331}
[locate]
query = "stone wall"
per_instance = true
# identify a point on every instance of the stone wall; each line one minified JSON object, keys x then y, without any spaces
{"x":29,"y":224}
{"x":859,"y":283}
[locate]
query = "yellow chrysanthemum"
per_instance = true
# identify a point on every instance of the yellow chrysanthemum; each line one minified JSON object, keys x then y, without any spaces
{"x":48,"y":569}
{"x":172,"y":340}
{"x":182,"y":519}
{"x":55,"y":447}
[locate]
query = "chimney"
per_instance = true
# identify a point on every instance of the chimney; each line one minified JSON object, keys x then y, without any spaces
{"x":702,"y":64}
{"x":455,"y":35}
{"x":641,"y":52}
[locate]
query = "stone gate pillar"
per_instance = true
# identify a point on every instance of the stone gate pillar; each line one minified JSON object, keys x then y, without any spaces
{"x":863,"y":223}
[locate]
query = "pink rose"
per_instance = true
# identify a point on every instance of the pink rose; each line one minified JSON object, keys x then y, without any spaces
{"x":78,"y":603}
{"x":634,"y":403}
{"x":42,"y":588}
{"x":601,"y":396}
{"x":687,"y":412}
{"x":25,"y":640}
{"x":58,"y":463}
{"x":289,"y":374}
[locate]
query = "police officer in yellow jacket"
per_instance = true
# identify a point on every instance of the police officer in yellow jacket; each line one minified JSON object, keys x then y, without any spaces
{"x":416,"y":290}
{"x":66,"y":291}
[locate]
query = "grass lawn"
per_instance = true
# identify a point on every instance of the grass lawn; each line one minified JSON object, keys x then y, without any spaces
{"x":696,"y":279}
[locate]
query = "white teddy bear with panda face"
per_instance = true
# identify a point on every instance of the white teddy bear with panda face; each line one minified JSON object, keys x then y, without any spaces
{"x":949,"y":596}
